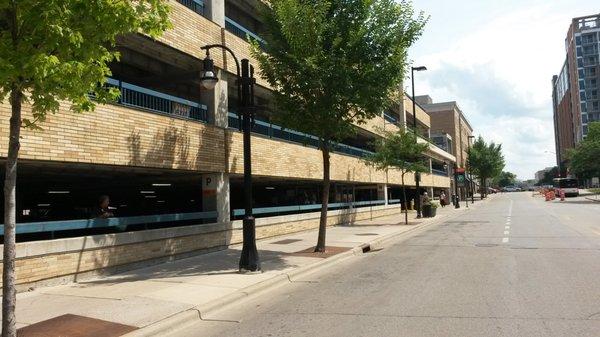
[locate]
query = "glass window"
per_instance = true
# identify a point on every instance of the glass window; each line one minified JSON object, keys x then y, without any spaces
{"x":582,"y":96}
{"x":584,"y":118}
{"x":581,"y":73}
{"x":579,"y":52}
{"x":578,"y":40}
{"x":580,"y":63}
{"x":581,"y":85}
{"x":583,"y":107}
{"x":585,"y":130}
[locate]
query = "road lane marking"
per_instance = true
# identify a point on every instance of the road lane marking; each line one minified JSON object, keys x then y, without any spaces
{"x":506,"y":227}
{"x":505,"y":232}
{"x":504,"y":240}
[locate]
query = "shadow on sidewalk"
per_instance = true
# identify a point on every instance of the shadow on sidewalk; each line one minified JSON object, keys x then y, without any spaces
{"x":223,"y":262}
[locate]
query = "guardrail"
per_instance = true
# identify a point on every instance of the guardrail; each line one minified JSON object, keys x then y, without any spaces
{"x":64,"y":225}
{"x":439,"y":172}
{"x":242,"y":32}
{"x":275,"y":131}
{"x":195,"y":5}
{"x":147,"y":99}
{"x":307,"y":208}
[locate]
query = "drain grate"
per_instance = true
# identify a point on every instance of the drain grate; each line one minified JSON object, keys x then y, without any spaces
{"x":486,"y":245}
{"x":286,"y":241}
{"x":74,"y":326}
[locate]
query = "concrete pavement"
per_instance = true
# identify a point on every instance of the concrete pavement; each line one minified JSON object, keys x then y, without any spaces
{"x":517,"y":267}
{"x":160,"y":298}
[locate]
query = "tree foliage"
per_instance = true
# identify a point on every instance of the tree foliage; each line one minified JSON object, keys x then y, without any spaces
{"x":584,"y":159}
{"x":505,"y":179}
{"x":60,"y":50}
{"x":486,"y":160}
{"x":400,"y":151}
{"x":53,"y":51}
{"x":334,"y":64}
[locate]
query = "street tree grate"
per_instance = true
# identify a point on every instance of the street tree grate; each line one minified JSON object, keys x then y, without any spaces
{"x":74,"y":326}
{"x":286,"y":241}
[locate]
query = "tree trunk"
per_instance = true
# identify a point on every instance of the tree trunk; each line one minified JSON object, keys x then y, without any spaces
{"x":324,"y":200}
{"x":483,"y":188}
{"x":9,"y":293}
{"x":404,"y":201}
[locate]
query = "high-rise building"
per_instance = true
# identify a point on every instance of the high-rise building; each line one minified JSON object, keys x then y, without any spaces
{"x":575,"y":89}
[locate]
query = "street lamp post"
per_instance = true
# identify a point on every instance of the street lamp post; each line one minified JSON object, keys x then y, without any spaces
{"x":456,"y":201}
{"x":471,"y":183}
{"x":249,"y":259}
{"x":414,"y":109}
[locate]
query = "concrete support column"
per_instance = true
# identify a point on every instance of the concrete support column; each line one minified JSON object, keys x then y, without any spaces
{"x":217,"y":102}
{"x":214,"y":10}
{"x":382,"y":192}
{"x":215,"y":195}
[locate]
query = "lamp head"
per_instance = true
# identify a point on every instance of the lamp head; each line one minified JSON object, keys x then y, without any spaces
{"x":421,"y":68}
{"x":208,"y":78}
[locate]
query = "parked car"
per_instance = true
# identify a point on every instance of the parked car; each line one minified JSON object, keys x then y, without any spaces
{"x":510,"y":189}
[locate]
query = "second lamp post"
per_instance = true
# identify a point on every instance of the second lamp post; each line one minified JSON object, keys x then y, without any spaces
{"x":414,"y":109}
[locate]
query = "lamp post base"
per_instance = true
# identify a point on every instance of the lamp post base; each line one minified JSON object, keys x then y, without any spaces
{"x":249,"y":260}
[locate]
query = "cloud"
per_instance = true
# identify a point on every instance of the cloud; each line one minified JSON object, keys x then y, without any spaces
{"x":500,"y":73}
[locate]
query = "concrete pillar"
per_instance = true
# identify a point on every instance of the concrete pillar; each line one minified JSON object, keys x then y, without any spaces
{"x":216,"y":101}
{"x":214,"y":10}
{"x":215,"y":195}
{"x":382,"y":192}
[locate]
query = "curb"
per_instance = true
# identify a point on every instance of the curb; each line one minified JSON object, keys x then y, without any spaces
{"x":594,"y":200}
{"x":190,"y":316}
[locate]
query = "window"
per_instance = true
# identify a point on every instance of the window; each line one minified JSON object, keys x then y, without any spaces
{"x":595,"y":106}
{"x":580,"y":63}
{"x":581,"y":85}
{"x":583,"y":107}
{"x":585,"y":130}
{"x":578,"y":40}
{"x":584,"y":118}
{"x":582,"y":96}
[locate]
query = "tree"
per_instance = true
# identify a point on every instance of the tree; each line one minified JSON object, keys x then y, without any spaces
{"x":332,"y":64}
{"x":505,"y":179}
{"x":548,"y":178}
{"x":401,"y":151}
{"x":486,"y":161}
{"x":584,"y":159}
{"x":52,"y":51}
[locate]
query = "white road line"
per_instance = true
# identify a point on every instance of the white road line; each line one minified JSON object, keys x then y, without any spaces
{"x":507,"y":227}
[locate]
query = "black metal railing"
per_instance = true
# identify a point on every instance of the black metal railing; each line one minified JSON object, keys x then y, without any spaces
{"x":195,"y":5}
{"x":139,"y":97}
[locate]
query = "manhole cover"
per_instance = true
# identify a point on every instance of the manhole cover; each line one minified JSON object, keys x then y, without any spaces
{"x":329,"y":251}
{"x":486,"y":245}
{"x":286,"y":241}
{"x":74,"y":326}
{"x":366,"y":234}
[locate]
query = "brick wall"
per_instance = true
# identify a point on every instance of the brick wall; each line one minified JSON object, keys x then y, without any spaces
{"x":116,"y":135}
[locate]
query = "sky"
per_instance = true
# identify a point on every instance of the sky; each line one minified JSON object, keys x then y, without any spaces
{"x":497,"y":59}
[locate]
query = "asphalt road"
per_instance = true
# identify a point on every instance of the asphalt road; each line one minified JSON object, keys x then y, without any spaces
{"x":516,"y":266}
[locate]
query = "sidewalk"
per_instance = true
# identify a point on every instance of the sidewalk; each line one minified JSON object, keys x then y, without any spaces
{"x":151,"y":300}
